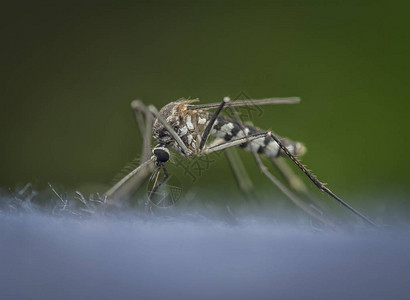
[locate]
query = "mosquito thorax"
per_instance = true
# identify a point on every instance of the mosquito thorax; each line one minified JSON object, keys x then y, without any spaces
{"x":188,"y":124}
{"x":161,"y":154}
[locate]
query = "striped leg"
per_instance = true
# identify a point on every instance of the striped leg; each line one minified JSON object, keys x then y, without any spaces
{"x":288,"y":153}
{"x":270,"y":176}
{"x":275,"y":181}
{"x":249,"y":138}
{"x":305,"y":207}
{"x":318,"y":183}
{"x":294,"y":181}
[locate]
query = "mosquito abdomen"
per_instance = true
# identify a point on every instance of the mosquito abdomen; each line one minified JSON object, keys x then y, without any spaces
{"x":227,"y":129}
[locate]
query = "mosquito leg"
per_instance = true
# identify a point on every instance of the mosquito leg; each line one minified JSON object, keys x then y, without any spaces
{"x":215,"y":142}
{"x":309,"y":210}
{"x":140,"y":111}
{"x":285,"y":171}
{"x":156,"y":187}
{"x":279,"y":184}
{"x":293,"y":180}
{"x":132,"y":181}
{"x":235,"y":142}
{"x":318,"y":183}
{"x":212,"y":122}
{"x":242,"y":178}
{"x":145,"y":126}
{"x":128,"y":177}
{"x":239,"y":171}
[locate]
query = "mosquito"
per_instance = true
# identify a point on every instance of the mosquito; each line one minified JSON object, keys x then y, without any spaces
{"x":186,"y":126}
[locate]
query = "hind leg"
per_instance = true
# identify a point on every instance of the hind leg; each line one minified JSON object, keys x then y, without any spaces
{"x":288,"y":193}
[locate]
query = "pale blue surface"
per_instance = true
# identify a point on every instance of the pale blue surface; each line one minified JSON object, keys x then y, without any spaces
{"x":45,"y":257}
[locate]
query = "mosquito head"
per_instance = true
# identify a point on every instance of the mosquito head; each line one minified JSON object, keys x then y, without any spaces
{"x":160,"y":154}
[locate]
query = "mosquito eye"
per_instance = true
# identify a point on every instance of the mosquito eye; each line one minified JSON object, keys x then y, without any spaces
{"x":162,"y":155}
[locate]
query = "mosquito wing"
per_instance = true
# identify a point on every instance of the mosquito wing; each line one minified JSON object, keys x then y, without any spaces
{"x":250,"y":102}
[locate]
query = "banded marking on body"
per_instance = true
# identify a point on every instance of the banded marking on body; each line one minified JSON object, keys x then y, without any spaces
{"x":228,"y":130}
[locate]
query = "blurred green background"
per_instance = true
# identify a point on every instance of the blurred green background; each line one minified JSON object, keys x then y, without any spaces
{"x":69,"y":70}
